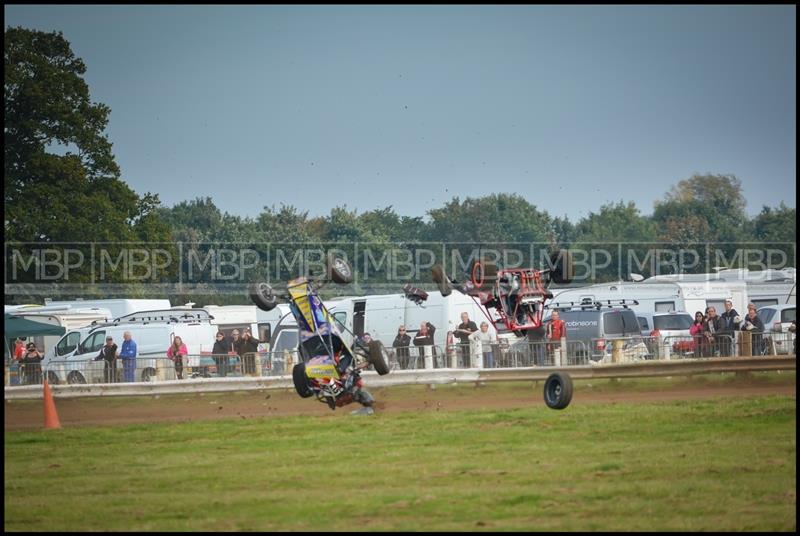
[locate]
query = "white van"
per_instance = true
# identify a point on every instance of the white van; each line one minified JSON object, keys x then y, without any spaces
{"x":152,"y":335}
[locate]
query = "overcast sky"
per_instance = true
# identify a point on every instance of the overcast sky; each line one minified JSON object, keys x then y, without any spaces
{"x":409,"y":106}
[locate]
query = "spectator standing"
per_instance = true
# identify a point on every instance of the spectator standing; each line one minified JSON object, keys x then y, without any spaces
{"x":401,"y":343}
{"x":424,"y":338}
{"x":176,"y":352}
{"x":19,"y":349}
{"x":555,"y":330}
{"x":696,"y":331}
{"x":220,"y":353}
{"x":108,"y":354}
{"x":712,"y":325}
{"x":730,"y":323}
{"x":249,"y":350}
{"x":485,"y":339}
{"x":32,"y":365}
{"x":462,"y":332}
{"x":754,"y":325}
{"x":128,"y":355}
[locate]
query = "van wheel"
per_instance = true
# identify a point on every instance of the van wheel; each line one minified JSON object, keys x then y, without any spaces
{"x":483,"y":274}
{"x":563,"y":269}
{"x":262,"y":295}
{"x":439,"y":277}
{"x":52,"y":378}
{"x":148,"y":374}
{"x":558,"y":390}
{"x":378,"y":357}
{"x":301,"y":381}
{"x":339,"y":270}
{"x":75,"y":378}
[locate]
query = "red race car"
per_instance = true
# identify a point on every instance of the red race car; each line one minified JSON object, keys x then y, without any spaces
{"x":517,"y":295}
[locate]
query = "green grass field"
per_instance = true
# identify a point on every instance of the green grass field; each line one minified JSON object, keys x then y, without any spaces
{"x":715,"y":464}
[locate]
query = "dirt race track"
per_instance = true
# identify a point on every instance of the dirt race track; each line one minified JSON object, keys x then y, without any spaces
{"x":28,"y":414}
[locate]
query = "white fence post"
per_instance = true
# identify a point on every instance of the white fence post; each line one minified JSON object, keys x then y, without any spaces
{"x":428,"y":357}
{"x":561,"y":352}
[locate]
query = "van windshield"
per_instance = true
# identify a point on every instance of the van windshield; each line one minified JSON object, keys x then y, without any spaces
{"x":672,"y":322}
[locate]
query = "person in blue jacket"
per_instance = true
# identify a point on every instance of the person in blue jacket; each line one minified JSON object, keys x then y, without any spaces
{"x":128,"y":355}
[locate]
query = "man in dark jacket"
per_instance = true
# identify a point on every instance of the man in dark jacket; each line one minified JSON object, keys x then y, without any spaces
{"x":712,"y":326}
{"x":401,"y":343}
{"x":730,"y":323}
{"x":462,"y":332}
{"x":222,"y":347}
{"x":249,"y":346}
{"x":108,"y":353}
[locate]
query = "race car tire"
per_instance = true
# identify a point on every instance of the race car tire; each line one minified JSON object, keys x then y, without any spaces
{"x":439,"y":277}
{"x":377,"y":357}
{"x":339,"y":270}
{"x":301,"y":381}
{"x":563,"y":268}
{"x":483,"y":274}
{"x":558,"y":390}
{"x":262,"y":295}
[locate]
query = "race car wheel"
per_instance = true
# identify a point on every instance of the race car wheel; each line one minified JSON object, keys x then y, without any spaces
{"x":378,"y":357}
{"x":563,"y":269}
{"x":339,"y":270}
{"x":262,"y":295}
{"x":558,"y":390}
{"x":483,"y":274}
{"x":301,"y":381}
{"x":441,"y":280}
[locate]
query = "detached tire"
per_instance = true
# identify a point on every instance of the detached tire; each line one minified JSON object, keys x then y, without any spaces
{"x":563,"y":269}
{"x":439,"y":277}
{"x":339,"y":270}
{"x":483,"y":274}
{"x":301,"y":381}
{"x":262,"y":295}
{"x":558,"y":390}
{"x":377,"y":357}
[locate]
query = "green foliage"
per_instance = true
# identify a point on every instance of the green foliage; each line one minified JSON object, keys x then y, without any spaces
{"x":70,"y":197}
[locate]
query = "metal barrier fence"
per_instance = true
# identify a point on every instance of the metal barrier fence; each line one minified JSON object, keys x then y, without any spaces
{"x":474,"y":355}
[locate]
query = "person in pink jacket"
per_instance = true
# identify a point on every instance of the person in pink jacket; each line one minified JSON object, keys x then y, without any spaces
{"x":176,"y":352}
{"x":696,"y":331}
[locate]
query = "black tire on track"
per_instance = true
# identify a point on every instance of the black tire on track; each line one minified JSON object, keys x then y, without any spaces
{"x":301,"y":381}
{"x":262,"y":295}
{"x":339,"y":270}
{"x":483,"y":274}
{"x":563,"y":269}
{"x":440,"y":278}
{"x":377,"y":357}
{"x":558,"y":390}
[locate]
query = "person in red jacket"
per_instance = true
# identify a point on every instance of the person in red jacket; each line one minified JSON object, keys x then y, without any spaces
{"x":555,"y":330}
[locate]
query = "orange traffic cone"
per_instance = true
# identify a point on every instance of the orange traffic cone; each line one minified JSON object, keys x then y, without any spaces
{"x":50,"y":414}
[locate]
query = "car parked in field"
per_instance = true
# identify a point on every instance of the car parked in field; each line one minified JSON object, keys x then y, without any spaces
{"x":777,"y":319}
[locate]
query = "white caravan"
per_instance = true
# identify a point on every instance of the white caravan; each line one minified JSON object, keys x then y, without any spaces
{"x":118,"y":307}
{"x":654,"y":296}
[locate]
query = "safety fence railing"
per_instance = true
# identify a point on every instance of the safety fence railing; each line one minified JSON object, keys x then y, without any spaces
{"x":475,"y":355}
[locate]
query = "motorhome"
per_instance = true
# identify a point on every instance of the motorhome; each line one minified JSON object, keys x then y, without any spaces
{"x":660,"y":296}
{"x":118,"y":307}
{"x":764,"y":287}
{"x":71,"y":318}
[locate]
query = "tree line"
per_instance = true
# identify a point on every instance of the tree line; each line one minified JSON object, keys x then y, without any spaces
{"x":62,"y":185}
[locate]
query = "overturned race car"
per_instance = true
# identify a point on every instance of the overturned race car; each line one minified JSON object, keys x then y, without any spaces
{"x":330,"y":369}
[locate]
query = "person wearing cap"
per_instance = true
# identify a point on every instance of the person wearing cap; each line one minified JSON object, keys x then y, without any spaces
{"x":730,"y":323}
{"x":109,"y":354}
